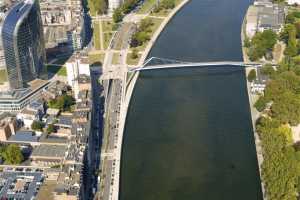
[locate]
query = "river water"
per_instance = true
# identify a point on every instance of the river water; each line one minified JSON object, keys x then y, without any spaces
{"x":188,"y":133}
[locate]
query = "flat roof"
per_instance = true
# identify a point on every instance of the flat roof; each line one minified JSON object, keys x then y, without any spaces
{"x":19,"y":94}
{"x":24,"y":136}
{"x":49,"y":151}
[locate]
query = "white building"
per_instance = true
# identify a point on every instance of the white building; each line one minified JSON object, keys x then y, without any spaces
{"x":77,"y":65}
{"x":292,"y":2}
{"x":113,"y":4}
{"x":28,"y":117}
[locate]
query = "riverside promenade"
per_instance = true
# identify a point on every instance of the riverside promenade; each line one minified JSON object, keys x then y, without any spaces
{"x":127,"y":92}
{"x":159,"y":30}
{"x":254,"y":113}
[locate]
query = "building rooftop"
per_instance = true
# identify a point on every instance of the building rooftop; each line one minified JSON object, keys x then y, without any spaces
{"x":53,"y":111}
{"x":65,"y":121}
{"x":24,"y":136}
{"x":57,"y":151}
{"x":271,"y":16}
{"x":20,"y":185}
{"x":19,"y":94}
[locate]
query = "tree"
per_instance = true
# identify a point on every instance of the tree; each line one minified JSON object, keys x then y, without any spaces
{"x":63,"y":102}
{"x":145,"y":25}
{"x":139,"y":38}
{"x":51,"y":128}
{"x":280,"y":167}
{"x":261,"y":43}
{"x":37,"y":125}
{"x":282,"y":107}
{"x":118,"y":15}
{"x":268,"y":70}
{"x":252,"y":75}
{"x":167,"y":4}
{"x":261,"y":103}
{"x":129,"y":5}
{"x":291,"y":49}
{"x":247,"y":42}
{"x":12,"y":154}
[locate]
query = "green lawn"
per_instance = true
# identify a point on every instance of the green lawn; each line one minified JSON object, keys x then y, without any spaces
{"x":131,"y":61}
{"x":165,"y":12}
{"x":146,"y":7}
{"x":161,"y":13}
{"x":3,"y":76}
{"x":59,"y":70}
{"x":177,"y":2}
{"x":96,"y":58}
{"x":107,"y":38}
{"x":107,"y":26}
{"x":154,"y":27}
{"x":96,"y":35}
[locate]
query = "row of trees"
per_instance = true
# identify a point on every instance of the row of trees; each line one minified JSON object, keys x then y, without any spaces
{"x":165,"y":5}
{"x":129,"y":5}
{"x":281,"y":167}
{"x":11,"y":154}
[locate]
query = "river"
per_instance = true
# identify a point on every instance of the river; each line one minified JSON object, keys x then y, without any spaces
{"x":188,"y":134}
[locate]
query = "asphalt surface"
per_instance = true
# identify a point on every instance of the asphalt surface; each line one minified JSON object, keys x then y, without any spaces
{"x":92,"y":162}
{"x":110,"y":140}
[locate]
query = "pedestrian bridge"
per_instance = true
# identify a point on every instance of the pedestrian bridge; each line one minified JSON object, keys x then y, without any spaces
{"x":159,"y":63}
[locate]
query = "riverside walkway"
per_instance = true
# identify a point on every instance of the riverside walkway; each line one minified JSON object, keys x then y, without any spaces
{"x":170,"y":64}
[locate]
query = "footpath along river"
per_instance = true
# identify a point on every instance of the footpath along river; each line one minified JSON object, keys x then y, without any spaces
{"x":188,"y":134}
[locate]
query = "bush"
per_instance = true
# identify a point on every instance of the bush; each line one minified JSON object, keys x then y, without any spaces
{"x":261,"y":103}
{"x":51,"y":128}
{"x":37,"y":125}
{"x":247,"y":42}
{"x":252,"y":75}
{"x":118,"y":15}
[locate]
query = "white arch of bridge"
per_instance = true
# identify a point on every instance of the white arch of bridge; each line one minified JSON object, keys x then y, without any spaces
{"x":180,"y":64}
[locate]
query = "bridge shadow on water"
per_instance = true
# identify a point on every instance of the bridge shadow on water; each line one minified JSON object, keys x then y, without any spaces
{"x":191,"y":72}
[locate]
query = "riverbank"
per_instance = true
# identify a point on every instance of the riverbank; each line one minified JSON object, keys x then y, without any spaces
{"x":254,"y":113}
{"x":159,"y":30}
{"x":126,"y":97}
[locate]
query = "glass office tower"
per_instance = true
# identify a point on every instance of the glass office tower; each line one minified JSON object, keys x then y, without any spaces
{"x":23,"y":43}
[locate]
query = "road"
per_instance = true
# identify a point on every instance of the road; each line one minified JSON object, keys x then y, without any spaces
{"x":92,"y":161}
{"x":108,"y":156}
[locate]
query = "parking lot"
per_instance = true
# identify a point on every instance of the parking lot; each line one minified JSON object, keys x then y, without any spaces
{"x":19,"y":184}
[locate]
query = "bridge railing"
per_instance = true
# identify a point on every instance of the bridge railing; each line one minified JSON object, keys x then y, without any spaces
{"x":168,"y":63}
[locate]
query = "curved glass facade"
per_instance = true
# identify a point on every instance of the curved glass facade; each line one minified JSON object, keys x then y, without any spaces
{"x":23,"y":43}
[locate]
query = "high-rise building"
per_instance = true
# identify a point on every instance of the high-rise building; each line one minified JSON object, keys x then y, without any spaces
{"x":23,"y":44}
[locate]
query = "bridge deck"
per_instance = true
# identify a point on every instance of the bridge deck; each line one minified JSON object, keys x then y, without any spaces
{"x":193,"y":64}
